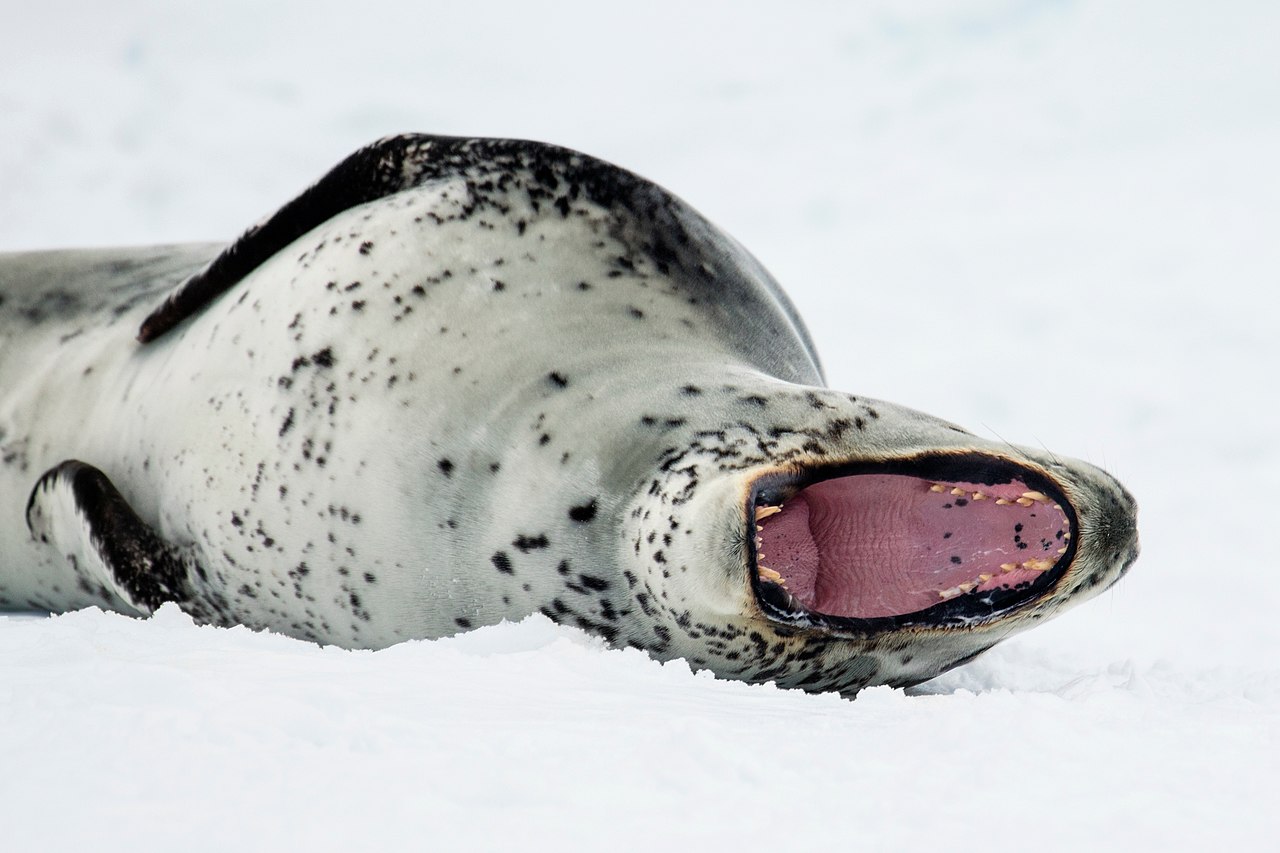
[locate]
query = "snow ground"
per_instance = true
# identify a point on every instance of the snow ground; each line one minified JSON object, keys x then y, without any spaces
{"x":1054,"y":222}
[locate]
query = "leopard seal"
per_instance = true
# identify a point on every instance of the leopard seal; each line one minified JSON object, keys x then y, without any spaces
{"x":458,"y":381}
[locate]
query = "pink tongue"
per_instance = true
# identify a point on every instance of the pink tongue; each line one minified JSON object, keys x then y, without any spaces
{"x":884,"y":545}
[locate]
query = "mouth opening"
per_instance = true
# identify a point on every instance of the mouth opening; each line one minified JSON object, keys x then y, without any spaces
{"x":932,"y":541}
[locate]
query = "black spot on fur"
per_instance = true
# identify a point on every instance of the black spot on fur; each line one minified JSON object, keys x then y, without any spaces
{"x":502,"y":563}
{"x":525,"y":544}
{"x":584,"y":513}
{"x":816,"y":402}
{"x":446,"y":467}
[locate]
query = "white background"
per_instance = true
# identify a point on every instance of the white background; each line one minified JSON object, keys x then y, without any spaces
{"x":1054,"y":222}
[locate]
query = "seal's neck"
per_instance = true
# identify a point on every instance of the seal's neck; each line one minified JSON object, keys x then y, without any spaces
{"x":683,"y":538}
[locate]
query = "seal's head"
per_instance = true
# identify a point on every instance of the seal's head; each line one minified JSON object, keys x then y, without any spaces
{"x":873,"y":545}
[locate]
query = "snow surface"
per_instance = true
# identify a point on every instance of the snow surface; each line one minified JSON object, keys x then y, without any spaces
{"x":1054,"y":222}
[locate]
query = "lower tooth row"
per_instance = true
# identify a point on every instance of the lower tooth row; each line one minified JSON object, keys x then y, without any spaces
{"x":1034,"y":565}
{"x":957,"y":590}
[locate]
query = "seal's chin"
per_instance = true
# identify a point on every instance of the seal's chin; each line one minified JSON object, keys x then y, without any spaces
{"x":928,"y":541}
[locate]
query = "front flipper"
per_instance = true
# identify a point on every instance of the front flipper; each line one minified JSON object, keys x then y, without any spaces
{"x":75,"y":509}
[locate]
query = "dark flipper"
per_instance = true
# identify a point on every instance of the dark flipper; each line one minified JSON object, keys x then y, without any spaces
{"x":75,"y":509}
{"x":682,"y":244}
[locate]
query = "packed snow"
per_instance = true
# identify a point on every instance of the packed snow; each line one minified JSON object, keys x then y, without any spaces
{"x":1053,"y":222}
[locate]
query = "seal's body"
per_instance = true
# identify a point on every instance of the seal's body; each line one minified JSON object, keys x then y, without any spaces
{"x":459,"y":381}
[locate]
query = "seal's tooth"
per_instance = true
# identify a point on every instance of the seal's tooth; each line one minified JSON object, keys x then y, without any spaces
{"x":945,"y":594}
{"x":1037,"y":565}
{"x":979,"y":496}
{"x":1008,"y":567}
{"x":769,"y":574}
{"x":1024,"y":501}
{"x":957,"y":491}
{"x":1062,"y":550}
{"x":1002,"y":502}
{"x":1036,"y":496}
{"x":763,"y":512}
{"x":967,"y":587}
{"x":984,"y":577}
{"x":937,"y":487}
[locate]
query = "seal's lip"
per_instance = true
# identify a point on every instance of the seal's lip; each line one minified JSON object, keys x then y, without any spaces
{"x":969,"y":609}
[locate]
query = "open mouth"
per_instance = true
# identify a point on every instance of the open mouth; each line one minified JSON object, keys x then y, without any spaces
{"x":947,"y":540}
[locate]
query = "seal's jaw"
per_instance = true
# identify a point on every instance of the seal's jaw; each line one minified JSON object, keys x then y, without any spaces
{"x":931,"y":542}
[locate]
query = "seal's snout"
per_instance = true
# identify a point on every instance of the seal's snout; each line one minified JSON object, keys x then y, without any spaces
{"x":1109,"y":516}
{"x":1120,"y":533}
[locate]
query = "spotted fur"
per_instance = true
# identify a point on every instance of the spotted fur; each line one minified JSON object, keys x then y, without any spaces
{"x":457,"y":381}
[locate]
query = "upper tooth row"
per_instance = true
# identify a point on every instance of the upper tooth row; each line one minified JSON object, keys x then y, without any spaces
{"x":1026,"y":499}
